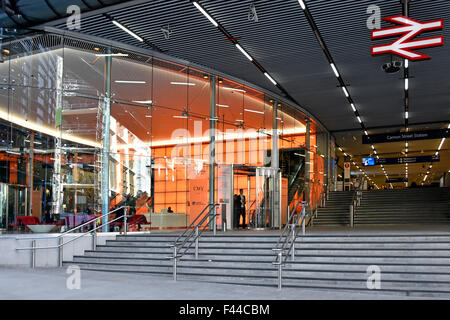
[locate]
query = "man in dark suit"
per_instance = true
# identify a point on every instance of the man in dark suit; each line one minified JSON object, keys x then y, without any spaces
{"x":236,"y":211}
{"x":242,"y":203}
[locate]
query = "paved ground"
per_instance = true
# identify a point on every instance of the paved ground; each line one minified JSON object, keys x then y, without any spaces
{"x":50,"y":284}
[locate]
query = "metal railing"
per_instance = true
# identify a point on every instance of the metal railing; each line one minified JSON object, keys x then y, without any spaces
{"x":192,"y":234}
{"x":61,"y":244}
{"x":285,"y":248}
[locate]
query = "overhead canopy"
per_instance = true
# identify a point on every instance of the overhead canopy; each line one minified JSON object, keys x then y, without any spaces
{"x":284,"y":43}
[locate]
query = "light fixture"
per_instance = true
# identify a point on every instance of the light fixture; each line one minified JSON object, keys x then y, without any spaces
{"x":406,"y":63}
{"x":406,"y":114}
{"x":244,"y":52}
{"x":205,"y":14}
{"x":345,"y":91}
{"x":143,"y":101}
{"x":302,"y":4}
{"x":270,"y":78}
{"x":183,"y":83}
{"x":440,"y":145}
{"x":365,"y":132}
{"x":359,"y":119}
{"x":334,"y":69}
{"x":127,"y":31}
{"x":406,"y":84}
{"x":254,"y":111}
{"x":180,"y":117}
{"x":111,"y":55}
{"x":222,"y":105}
{"x":130,"y":81}
{"x":233,"y":89}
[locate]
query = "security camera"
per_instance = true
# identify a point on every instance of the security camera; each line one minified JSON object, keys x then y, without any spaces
{"x":392,"y":67}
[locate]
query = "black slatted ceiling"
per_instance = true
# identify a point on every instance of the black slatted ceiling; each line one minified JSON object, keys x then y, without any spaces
{"x":283,"y":42}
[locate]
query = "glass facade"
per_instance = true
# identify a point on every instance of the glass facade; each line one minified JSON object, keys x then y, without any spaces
{"x":65,"y":101}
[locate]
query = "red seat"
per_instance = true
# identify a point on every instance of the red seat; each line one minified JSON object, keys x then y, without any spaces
{"x":134,"y":219}
{"x":23,"y":221}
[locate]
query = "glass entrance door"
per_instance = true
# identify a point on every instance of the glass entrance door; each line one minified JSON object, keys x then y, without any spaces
{"x":267,"y":202}
{"x":17,"y":203}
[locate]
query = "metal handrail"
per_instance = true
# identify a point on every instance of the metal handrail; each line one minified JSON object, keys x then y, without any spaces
{"x":60,"y":246}
{"x":192,"y":236}
{"x":288,"y":246}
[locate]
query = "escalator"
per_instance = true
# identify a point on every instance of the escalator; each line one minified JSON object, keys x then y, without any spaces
{"x":292,"y":166}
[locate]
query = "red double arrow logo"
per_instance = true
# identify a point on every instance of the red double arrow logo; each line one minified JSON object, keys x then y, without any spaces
{"x":410,"y":28}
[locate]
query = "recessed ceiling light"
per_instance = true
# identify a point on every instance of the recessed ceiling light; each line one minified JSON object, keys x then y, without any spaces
{"x":205,"y":14}
{"x":130,"y":81}
{"x":244,"y":52}
{"x":143,"y":101}
{"x":183,"y":83}
{"x":127,"y":31}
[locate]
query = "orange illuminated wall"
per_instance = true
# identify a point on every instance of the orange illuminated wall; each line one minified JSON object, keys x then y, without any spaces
{"x":172,"y":178}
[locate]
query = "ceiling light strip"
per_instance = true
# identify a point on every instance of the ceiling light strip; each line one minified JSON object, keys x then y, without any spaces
{"x":127,"y":30}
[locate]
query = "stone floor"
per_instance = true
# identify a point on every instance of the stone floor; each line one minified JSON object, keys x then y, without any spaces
{"x":51,"y":284}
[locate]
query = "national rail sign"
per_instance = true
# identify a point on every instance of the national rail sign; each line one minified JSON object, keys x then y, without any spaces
{"x":408,"y":29}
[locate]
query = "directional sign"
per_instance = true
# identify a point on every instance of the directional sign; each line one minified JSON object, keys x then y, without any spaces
{"x":409,"y":28}
{"x":396,"y":180}
{"x":403,"y":160}
{"x":406,"y":136}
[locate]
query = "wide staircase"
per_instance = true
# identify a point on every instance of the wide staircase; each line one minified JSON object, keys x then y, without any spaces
{"x":336,"y":210}
{"x":417,"y":206}
{"x":412,"y":206}
{"x":410,"y":264}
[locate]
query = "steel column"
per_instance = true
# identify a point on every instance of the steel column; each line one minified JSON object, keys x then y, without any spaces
{"x":307,"y":159}
{"x":212,"y":149}
{"x":106,"y":142}
{"x":275,"y":161}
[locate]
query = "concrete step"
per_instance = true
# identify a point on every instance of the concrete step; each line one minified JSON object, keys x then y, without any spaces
{"x":270,"y":278}
{"x":257,"y":265}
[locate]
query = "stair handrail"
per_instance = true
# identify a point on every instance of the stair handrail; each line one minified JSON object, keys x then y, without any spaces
{"x":287,"y":247}
{"x":192,"y":234}
{"x":60,"y":246}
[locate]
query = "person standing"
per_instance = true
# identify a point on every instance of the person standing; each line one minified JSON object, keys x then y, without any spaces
{"x":242,"y":208}
{"x":236,"y":211}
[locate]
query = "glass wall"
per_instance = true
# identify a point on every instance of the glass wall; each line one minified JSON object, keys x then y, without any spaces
{"x":58,"y":92}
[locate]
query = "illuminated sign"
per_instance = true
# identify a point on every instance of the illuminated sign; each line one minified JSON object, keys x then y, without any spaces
{"x":368,"y":161}
{"x":408,"y":29}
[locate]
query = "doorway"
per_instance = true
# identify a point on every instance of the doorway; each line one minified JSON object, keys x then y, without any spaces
{"x":259,"y":206}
